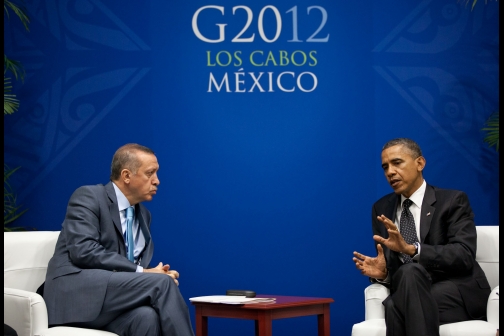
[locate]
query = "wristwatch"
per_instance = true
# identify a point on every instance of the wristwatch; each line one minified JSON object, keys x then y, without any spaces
{"x":416,"y":249}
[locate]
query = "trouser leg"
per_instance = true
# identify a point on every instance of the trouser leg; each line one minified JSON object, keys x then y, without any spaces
{"x":449,"y":301}
{"x":127,"y":291}
{"x":411,"y":309}
{"x":9,"y":331}
{"x":141,"y":321}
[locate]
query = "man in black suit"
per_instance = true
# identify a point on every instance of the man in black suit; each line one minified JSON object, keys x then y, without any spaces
{"x":432,"y":273}
{"x":99,"y":275}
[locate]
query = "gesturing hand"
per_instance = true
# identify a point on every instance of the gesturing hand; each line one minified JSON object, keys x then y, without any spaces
{"x":371,"y":267}
{"x":165,"y":269}
{"x":395,"y":241}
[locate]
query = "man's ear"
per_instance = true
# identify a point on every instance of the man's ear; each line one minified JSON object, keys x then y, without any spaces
{"x":420,"y":163}
{"x":125,"y":176}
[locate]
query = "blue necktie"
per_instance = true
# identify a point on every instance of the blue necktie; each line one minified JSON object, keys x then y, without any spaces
{"x":129,"y":233}
{"x":408,"y":229}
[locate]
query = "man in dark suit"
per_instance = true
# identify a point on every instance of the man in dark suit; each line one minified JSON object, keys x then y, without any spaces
{"x":431,"y":272}
{"x":99,"y":276}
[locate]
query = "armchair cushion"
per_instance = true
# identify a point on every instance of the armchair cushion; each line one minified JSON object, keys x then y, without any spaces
{"x":468,"y":328}
{"x":493,"y":307}
{"x":66,"y":331}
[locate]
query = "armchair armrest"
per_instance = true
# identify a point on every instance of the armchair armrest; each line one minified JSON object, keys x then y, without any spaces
{"x":374,"y":295}
{"x":24,"y":311}
{"x":493,"y":307}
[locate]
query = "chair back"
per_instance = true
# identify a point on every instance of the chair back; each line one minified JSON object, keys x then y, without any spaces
{"x":26,"y":255}
{"x":487,"y":252}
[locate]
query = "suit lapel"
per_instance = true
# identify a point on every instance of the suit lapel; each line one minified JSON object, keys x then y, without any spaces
{"x":427,"y":212}
{"x":143,"y":225}
{"x":146,"y":254}
{"x":114,"y":208}
{"x":391,"y":213}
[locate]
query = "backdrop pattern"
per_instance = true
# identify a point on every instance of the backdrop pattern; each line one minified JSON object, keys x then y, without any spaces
{"x":267,"y":119}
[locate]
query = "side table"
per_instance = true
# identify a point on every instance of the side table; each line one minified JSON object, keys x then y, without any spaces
{"x":265,"y":313}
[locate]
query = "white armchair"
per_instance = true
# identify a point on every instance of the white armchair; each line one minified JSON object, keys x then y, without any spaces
{"x":487,"y":255}
{"x":26,"y":255}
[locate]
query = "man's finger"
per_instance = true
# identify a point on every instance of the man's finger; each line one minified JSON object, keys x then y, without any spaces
{"x":378,"y":239}
{"x":174,"y":273}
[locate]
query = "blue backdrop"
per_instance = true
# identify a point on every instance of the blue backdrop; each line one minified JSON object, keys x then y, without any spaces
{"x":267,"y":119}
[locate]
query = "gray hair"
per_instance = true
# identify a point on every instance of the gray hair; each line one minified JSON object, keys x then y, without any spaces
{"x":126,"y":158}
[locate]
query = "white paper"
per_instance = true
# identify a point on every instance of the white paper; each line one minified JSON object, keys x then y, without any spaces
{"x":230,"y":299}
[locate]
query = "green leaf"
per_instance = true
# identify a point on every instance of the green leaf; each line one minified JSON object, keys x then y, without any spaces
{"x":11,"y":104}
{"x":492,"y":130}
{"x":15,"y":67}
{"x":12,"y":211}
{"x":19,"y":11}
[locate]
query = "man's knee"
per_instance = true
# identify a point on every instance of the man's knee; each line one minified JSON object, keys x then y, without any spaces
{"x":411,"y":275}
{"x":162,"y":283}
{"x":140,"y":321}
{"x":145,"y":319}
{"x":388,"y":303}
{"x":411,"y":270}
{"x":146,"y":314}
{"x":166,"y":282}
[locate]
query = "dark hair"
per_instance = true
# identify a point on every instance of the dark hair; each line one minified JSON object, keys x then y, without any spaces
{"x":411,"y":145}
{"x":126,"y":158}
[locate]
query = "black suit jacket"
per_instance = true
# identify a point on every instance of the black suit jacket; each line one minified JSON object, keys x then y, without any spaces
{"x":447,"y":243}
{"x":89,"y":249}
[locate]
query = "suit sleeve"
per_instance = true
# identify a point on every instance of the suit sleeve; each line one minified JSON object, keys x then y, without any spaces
{"x":455,"y":235}
{"x":86,"y":225}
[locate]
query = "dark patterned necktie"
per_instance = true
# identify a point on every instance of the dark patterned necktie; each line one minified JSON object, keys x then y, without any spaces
{"x":408,"y":230}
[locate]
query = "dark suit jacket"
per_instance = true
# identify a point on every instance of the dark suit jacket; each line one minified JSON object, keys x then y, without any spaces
{"x":89,"y":249}
{"x":447,"y":243}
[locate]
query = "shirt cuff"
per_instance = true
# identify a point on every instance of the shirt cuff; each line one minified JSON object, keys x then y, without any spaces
{"x":417,"y":256}
{"x":139,"y":269}
{"x":384,"y":281}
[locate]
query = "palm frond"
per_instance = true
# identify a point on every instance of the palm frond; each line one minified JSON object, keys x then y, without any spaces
{"x":492,"y":130}
{"x":19,"y":11}
{"x":13,"y":66}
{"x":473,"y":3}
{"x":11,"y":103}
{"x":11,"y":210}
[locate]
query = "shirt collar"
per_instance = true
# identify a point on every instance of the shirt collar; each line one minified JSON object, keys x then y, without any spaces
{"x":122,"y":201}
{"x":418,"y":195}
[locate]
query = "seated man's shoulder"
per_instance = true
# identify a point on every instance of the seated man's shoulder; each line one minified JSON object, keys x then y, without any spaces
{"x":392,"y":197}
{"x":448,"y":192}
{"x":91,"y":187}
{"x":89,"y":190}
